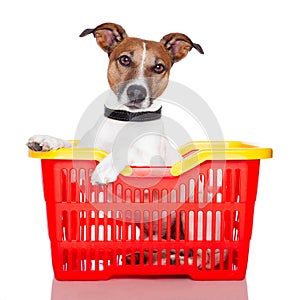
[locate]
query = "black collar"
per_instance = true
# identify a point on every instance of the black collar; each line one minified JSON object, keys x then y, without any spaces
{"x":124,"y":115}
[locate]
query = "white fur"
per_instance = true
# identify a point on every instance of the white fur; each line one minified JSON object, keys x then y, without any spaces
{"x":105,"y":171}
{"x":129,"y":143}
{"x":143,"y":60}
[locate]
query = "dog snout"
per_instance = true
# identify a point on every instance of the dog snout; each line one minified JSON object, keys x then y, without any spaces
{"x":136,"y":93}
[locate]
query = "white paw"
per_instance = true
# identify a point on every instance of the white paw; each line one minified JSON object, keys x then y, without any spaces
{"x":105,"y":172}
{"x":43,"y":143}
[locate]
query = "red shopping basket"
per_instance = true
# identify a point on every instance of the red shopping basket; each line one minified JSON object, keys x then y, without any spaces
{"x":193,"y":218}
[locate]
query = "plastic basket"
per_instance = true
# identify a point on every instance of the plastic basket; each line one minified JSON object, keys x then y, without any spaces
{"x":193,"y":218}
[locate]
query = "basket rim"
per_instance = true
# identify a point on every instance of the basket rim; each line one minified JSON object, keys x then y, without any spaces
{"x":194,"y":153}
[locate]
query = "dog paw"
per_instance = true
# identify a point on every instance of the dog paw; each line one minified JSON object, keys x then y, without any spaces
{"x":43,"y":143}
{"x":104,"y":173}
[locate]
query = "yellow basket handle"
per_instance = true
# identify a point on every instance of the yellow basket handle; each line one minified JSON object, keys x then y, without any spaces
{"x":195,"y":153}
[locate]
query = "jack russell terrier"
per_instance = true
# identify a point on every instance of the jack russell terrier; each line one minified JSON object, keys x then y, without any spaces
{"x":138,"y":73}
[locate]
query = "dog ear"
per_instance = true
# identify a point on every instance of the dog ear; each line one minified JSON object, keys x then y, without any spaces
{"x":108,"y":35}
{"x":178,"y":45}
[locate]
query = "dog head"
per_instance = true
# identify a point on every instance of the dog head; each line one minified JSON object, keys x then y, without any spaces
{"x":138,"y":70}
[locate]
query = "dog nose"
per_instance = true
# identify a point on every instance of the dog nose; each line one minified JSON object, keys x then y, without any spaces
{"x":136,"y":93}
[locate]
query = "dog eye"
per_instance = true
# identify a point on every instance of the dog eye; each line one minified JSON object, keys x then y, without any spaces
{"x":159,"y":68}
{"x":124,"y":60}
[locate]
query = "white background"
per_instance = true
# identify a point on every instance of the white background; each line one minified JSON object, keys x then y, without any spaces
{"x":249,"y":76}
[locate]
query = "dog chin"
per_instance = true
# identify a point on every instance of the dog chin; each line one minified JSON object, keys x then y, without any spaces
{"x":134,"y":106}
{"x":137,"y":105}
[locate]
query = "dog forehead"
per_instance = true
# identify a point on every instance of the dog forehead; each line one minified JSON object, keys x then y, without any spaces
{"x":157,"y":50}
{"x":129,"y":45}
{"x":136,"y":47}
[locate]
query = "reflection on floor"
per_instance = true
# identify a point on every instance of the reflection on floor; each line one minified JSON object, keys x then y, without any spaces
{"x":149,"y":289}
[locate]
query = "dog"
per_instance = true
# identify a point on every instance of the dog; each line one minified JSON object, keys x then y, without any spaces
{"x":138,"y":73}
